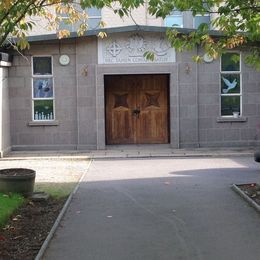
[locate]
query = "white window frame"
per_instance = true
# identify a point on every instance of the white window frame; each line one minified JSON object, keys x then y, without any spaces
{"x":172,"y":14}
{"x":197,"y":15}
{"x":95,"y":16}
{"x":35,"y":76}
{"x":231,"y":94}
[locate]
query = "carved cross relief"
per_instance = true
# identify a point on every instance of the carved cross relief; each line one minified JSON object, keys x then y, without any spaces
{"x":121,"y":100}
{"x":114,"y":49}
{"x":137,"y":45}
{"x":152,"y":99}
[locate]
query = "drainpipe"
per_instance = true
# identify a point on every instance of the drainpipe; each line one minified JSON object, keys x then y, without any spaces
{"x":178,"y":105}
{"x":197,"y":100}
{"x":97,"y":114}
{"x":77,"y":92}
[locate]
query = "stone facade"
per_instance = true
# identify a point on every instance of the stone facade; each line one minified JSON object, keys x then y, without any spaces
{"x":62,"y":133}
{"x":194,"y":98}
{"x":215,"y":131}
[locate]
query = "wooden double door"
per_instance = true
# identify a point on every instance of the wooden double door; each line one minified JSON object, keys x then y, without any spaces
{"x":136,"y":108}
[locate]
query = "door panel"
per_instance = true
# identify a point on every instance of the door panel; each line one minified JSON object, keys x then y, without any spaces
{"x":136,"y":109}
{"x":120,"y":99}
{"x":153,"y":99}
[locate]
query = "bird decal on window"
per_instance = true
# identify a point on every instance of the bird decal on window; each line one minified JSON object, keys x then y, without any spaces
{"x":229,"y":85}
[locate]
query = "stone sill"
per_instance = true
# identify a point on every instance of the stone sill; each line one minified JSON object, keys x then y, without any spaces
{"x":5,"y":63}
{"x":231,"y":119}
{"x":43,"y":123}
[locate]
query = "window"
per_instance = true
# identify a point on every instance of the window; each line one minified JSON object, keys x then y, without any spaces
{"x":174,"y":19}
{"x":230,"y":86}
{"x":93,"y":20}
{"x":200,"y":19}
{"x":42,"y":88}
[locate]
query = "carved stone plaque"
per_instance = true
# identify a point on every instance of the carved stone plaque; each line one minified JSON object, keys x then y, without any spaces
{"x":130,"y":48}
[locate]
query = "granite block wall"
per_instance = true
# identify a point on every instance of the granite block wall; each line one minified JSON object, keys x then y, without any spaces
{"x":194,"y":96}
{"x":214,"y":131}
{"x":86,"y":55}
{"x":62,"y":133}
{"x":188,"y":96}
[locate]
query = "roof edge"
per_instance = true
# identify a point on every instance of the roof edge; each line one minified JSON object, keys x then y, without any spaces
{"x":110,"y":30}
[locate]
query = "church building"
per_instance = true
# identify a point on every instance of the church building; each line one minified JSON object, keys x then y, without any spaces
{"x":87,"y":92}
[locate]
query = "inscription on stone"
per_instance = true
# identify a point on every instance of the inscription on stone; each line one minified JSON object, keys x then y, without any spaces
{"x":130,"y":48}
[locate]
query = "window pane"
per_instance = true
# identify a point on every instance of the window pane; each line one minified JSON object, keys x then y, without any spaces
{"x":93,"y":23}
{"x":175,"y":21}
{"x":43,"y":110}
{"x":42,"y":88}
{"x":230,"y":104}
{"x":65,"y":24}
{"x":230,"y":62}
{"x":94,"y":12}
{"x":42,"y":66}
{"x":198,"y":20}
{"x":230,"y":83}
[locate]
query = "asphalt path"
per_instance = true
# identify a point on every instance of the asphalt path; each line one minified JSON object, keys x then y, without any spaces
{"x":161,"y":209}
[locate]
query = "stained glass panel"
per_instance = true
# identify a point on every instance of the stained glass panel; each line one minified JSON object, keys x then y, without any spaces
{"x":230,"y":83}
{"x":42,"y":88}
{"x":43,"y":110}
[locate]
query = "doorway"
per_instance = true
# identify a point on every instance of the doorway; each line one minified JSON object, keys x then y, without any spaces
{"x":137,"y":109}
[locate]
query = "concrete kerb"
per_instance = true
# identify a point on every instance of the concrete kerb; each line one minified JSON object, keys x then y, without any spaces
{"x":129,"y":153}
{"x":179,"y":156}
{"x":40,"y":157}
{"x":59,"y":218}
{"x":245,"y":197}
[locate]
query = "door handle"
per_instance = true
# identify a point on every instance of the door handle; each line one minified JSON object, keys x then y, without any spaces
{"x":136,"y":112}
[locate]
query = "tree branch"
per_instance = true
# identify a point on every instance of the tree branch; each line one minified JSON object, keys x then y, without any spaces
{"x":8,"y":12}
{"x":3,"y":38}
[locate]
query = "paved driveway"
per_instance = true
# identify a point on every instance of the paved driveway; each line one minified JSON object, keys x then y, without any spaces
{"x":158,"y":209}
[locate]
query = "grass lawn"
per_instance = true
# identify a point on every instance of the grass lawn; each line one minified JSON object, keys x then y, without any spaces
{"x":8,"y":204}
